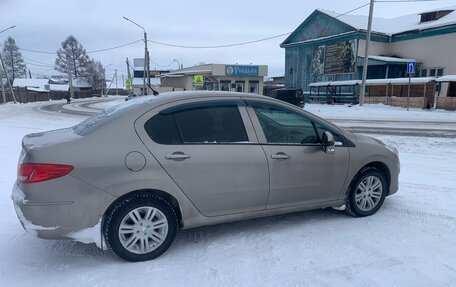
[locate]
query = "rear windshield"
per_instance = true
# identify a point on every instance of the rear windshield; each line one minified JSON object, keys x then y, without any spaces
{"x":95,"y":122}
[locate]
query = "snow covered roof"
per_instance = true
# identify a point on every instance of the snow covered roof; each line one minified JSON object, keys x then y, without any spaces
{"x":187,"y":72}
{"x":81,"y":83}
{"x":395,"y":25}
{"x":390,"y":59}
{"x":447,"y":78}
{"x":373,"y":82}
{"x":31,"y":83}
{"x":59,"y":87}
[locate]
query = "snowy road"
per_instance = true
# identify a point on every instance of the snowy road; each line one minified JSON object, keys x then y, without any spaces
{"x":409,"y":242}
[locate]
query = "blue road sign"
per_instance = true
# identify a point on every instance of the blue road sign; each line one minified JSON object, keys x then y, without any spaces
{"x":411,"y":67}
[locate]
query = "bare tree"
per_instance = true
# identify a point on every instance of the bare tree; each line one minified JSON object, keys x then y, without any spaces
{"x":96,"y":74}
{"x":72,"y":56}
{"x":12,"y":57}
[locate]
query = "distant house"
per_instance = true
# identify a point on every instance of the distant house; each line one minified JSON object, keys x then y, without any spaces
{"x":36,"y":85}
{"x":329,"y":47}
{"x":81,"y":88}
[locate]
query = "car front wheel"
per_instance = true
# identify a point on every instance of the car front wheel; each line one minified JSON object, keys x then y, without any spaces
{"x":366,"y":193}
{"x":140,"y":227}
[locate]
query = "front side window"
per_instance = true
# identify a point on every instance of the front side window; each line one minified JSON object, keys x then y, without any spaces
{"x":283,"y":126}
{"x":201,"y":124}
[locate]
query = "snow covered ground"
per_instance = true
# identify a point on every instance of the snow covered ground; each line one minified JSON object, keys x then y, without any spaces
{"x":411,"y":241}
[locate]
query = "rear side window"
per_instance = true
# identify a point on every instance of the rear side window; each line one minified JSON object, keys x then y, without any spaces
{"x":162,"y":129}
{"x":200,"y":124}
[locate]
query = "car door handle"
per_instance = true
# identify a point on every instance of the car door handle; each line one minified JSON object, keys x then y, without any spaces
{"x":177,"y":156}
{"x":280,"y":155}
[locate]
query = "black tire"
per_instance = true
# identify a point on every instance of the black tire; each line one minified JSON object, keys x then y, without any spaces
{"x":351,"y":205}
{"x":116,"y":214}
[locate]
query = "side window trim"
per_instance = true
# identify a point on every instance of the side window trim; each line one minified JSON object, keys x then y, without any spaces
{"x":237,"y":104}
{"x":195,"y":105}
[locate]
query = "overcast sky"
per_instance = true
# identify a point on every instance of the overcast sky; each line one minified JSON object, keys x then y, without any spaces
{"x":43,"y":25}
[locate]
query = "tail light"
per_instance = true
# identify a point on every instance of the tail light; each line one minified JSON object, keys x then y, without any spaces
{"x":36,"y":172}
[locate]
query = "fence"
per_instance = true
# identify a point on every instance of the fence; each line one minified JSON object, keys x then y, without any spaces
{"x":446,"y":103}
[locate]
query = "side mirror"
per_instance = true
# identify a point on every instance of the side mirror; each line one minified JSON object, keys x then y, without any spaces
{"x":328,"y":142}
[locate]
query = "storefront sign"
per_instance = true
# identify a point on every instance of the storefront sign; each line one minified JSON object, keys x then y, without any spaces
{"x":243,"y":71}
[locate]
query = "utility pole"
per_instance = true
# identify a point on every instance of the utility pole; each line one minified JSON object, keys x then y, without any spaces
{"x":3,"y":89}
{"x":147,"y":62}
{"x":146,"y":59}
{"x":129,"y":78}
{"x":4,"y":71}
{"x":7,"y":79}
{"x":117,"y":89}
{"x":366,"y":53}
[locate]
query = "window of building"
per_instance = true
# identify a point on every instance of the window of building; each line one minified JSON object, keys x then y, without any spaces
{"x":202,"y":124}
{"x":240,"y":87}
{"x":283,"y":126}
{"x":432,"y":72}
{"x":423,"y":73}
{"x":225,"y":86}
{"x":291,"y":71}
{"x":434,"y":15}
{"x":253,"y":87}
{"x":439,"y":72}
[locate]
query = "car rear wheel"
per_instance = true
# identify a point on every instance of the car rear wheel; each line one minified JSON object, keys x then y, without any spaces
{"x":366,"y":193}
{"x":140,"y":227}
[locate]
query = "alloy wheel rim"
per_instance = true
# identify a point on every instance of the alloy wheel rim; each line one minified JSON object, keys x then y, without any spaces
{"x":368,"y":193}
{"x":143,"y":230}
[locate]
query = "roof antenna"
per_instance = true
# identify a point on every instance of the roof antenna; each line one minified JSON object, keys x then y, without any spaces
{"x":154,"y":92}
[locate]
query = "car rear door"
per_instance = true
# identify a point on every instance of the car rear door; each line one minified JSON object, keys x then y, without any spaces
{"x":300,"y":171}
{"x":209,"y":148}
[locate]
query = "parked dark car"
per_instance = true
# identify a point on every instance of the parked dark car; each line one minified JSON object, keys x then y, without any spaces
{"x":292,"y":96}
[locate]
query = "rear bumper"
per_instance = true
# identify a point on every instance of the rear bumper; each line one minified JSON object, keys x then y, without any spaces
{"x":73,"y":220}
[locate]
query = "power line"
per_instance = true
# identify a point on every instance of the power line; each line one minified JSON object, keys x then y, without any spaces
{"x":47,"y":64}
{"x":88,"y":52}
{"x":218,"y":46}
{"x":115,"y":47}
{"x":246,"y":42}
{"x":39,"y":65}
{"x":163,"y":66}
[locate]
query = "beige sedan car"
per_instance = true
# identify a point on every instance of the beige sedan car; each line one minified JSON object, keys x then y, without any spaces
{"x":131,"y":176}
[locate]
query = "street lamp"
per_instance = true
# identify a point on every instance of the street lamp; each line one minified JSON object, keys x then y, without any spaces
{"x":146,"y":58}
{"x":4,"y":71}
{"x":178,"y":64}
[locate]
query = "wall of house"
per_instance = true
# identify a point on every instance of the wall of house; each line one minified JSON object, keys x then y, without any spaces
{"x":375,"y":48}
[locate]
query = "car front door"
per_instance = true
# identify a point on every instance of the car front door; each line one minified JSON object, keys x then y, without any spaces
{"x":209,"y":148}
{"x":300,"y":171}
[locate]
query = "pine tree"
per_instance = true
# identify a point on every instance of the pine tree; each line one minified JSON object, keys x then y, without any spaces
{"x":73,"y":56}
{"x":12,"y":58}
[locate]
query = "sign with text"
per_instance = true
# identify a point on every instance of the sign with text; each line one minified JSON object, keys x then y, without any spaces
{"x":243,"y":71}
